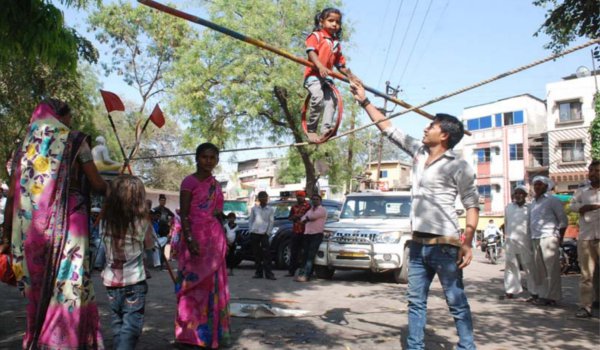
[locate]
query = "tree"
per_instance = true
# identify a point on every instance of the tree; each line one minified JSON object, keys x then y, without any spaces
{"x":234,"y":93}
{"x":34,"y":32}
{"x":143,"y":44}
{"x":567,"y":20}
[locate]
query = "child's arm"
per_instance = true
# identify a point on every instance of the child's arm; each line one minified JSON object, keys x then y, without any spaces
{"x":348,"y":73}
{"x":323,"y":71}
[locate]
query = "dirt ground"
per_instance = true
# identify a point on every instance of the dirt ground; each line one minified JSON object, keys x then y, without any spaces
{"x":355,"y":310}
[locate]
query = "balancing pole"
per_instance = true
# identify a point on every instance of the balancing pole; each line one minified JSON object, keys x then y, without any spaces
{"x":263,"y":45}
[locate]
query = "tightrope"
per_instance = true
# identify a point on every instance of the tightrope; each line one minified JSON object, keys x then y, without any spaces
{"x":412,"y":109}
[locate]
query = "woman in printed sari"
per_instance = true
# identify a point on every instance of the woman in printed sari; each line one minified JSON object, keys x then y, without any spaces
{"x":202,"y":290}
{"x":47,"y":214}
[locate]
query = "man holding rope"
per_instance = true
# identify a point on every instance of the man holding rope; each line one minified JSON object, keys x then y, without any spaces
{"x":438,"y":177}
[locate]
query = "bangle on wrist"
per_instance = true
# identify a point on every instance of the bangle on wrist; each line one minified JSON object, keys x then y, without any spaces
{"x":364,"y":103}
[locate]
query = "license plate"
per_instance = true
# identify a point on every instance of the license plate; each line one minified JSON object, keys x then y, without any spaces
{"x":353,"y":254}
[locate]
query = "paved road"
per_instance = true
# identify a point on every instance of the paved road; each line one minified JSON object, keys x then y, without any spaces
{"x":356,"y":310}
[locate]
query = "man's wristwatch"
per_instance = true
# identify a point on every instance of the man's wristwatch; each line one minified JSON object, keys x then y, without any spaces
{"x":364,"y":103}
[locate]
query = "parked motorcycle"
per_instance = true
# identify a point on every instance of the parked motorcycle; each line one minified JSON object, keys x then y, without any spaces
{"x":568,"y":257}
{"x":492,"y":248}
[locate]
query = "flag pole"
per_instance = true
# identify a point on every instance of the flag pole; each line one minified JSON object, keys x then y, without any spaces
{"x":261,"y":44}
{"x":125,"y":164}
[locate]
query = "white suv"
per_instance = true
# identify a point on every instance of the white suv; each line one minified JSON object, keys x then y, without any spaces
{"x":372,"y":234}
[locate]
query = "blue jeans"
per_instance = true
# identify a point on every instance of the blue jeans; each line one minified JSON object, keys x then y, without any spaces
{"x":311,"y":247}
{"x":127,"y":305}
{"x":425,"y":262}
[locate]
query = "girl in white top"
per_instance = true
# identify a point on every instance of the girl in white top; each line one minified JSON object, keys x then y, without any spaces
{"x":128,"y":232}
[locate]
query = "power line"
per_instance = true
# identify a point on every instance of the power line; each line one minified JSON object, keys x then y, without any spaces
{"x":390,"y":43}
{"x":412,"y":16}
{"x":377,"y":40}
{"x":412,"y":50}
{"x":435,"y":29}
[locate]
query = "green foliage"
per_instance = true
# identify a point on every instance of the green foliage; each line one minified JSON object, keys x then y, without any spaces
{"x":595,"y":128}
{"x":33,"y":31}
{"x":23,"y":85}
{"x":142,"y":42}
{"x":566,"y":20}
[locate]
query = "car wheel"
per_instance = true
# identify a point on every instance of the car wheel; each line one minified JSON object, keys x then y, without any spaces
{"x":324,"y":272}
{"x":284,"y":254}
{"x":401,"y":275}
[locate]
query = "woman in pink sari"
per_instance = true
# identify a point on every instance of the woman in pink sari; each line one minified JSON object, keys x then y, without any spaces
{"x":202,"y":290}
{"x":46,"y":228}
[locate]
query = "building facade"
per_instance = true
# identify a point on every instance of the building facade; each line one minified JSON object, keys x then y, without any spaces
{"x":394,"y":175}
{"x":499,"y":147}
{"x":570,"y":111}
{"x":259,"y":174}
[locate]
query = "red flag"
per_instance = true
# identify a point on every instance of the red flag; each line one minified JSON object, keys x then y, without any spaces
{"x":112,"y":101}
{"x":157,"y":117}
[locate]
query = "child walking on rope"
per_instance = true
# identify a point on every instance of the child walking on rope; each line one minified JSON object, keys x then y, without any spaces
{"x":324,"y":50}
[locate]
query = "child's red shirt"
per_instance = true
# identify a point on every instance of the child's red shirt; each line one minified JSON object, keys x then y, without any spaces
{"x":327,"y":49}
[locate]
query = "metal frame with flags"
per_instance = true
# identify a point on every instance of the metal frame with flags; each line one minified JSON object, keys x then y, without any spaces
{"x":113,"y":103}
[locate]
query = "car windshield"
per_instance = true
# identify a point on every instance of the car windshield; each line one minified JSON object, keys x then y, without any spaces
{"x":239,"y":208}
{"x":376,"y":206}
{"x":282,"y":210}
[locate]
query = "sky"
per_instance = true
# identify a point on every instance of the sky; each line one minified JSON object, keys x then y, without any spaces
{"x":431,"y":47}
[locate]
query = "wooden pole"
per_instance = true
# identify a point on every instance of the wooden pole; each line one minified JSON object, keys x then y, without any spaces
{"x":263,"y":45}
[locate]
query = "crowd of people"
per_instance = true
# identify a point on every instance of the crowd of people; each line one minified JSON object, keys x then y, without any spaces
{"x":56,"y":240}
{"x":534,"y":234}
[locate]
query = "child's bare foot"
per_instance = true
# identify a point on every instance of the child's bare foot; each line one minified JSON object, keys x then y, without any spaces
{"x":312,"y":136}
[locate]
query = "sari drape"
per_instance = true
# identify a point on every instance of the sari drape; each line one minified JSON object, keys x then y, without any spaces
{"x":202,"y":289}
{"x":50,"y":242}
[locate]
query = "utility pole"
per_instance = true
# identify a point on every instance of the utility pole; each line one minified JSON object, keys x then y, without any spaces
{"x":390,"y":91}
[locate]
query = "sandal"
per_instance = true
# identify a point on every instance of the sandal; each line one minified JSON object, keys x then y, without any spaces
{"x":544,"y":302}
{"x":532,"y":299}
{"x":583,"y":313}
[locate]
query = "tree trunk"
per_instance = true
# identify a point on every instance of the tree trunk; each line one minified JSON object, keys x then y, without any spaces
{"x":305,"y":152}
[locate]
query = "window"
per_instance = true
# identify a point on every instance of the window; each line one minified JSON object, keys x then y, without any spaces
{"x":383,"y":174}
{"x":572,"y":151}
{"x":483,"y":155}
{"x":511,"y":118}
{"x":480,"y":123}
{"x":569,"y":111}
{"x":485,"y":191}
{"x":376,"y":206}
{"x":516,"y":151}
{"x":498,"y":120}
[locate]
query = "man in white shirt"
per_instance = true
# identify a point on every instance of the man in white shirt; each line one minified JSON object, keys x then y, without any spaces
{"x":518,"y":245}
{"x":261,"y":224}
{"x":586,"y":201}
{"x":491,"y":230}
{"x":547,"y":225}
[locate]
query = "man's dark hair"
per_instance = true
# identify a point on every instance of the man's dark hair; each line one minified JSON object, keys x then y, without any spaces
{"x":162,"y":196}
{"x":451,"y":125}
{"x":263,"y":194}
{"x":594,"y":163}
{"x":231,"y":215}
